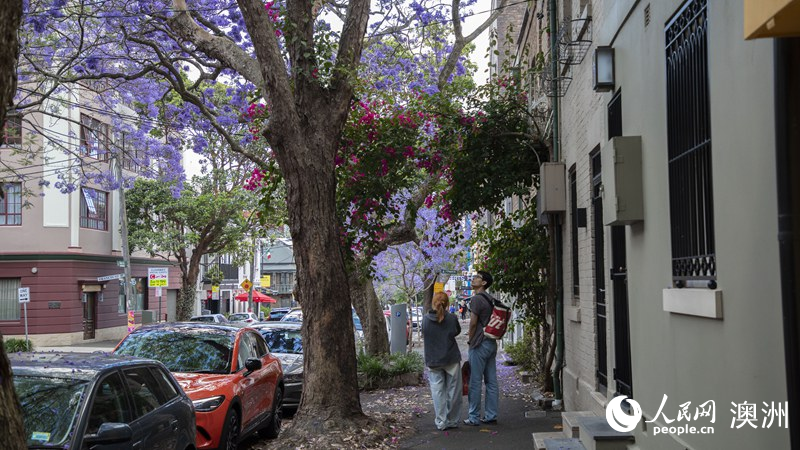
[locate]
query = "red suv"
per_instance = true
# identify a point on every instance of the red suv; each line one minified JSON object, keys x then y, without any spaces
{"x":235,"y":383}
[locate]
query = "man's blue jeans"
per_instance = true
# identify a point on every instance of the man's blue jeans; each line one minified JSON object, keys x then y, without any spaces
{"x":483,"y":368}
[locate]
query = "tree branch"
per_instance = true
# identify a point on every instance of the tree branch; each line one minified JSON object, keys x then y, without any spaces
{"x":221,"y":48}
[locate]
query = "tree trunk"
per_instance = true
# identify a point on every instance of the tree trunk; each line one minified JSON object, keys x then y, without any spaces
{"x":12,"y":429}
{"x":369,"y":310}
{"x":330,"y":399}
{"x":184,"y":309}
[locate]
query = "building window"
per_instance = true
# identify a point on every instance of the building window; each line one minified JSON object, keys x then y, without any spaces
{"x":9,"y":298}
{"x":11,"y":204}
{"x":573,"y":212}
{"x":94,"y":210}
{"x":131,"y":159}
{"x":12,"y":130}
{"x":94,"y":138}
{"x":689,"y":145}
{"x":140,"y":301}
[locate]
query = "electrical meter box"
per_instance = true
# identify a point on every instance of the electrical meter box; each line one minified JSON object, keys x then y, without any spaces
{"x":623,"y":197}
{"x":552,"y":195}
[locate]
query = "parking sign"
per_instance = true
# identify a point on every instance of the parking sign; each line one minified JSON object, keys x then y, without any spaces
{"x":24,"y":295}
{"x":157,"y":277}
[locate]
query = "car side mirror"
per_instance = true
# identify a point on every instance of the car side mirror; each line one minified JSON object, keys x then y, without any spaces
{"x":110,"y":433}
{"x":252,"y":364}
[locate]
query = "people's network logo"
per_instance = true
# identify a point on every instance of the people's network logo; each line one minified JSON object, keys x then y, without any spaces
{"x":619,"y":419}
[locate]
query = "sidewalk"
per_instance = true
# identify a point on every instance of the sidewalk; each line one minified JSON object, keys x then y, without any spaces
{"x":83,"y":347}
{"x":518,"y":415}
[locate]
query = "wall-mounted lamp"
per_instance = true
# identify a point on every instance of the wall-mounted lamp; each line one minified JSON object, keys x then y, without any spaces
{"x":34,"y":269}
{"x":603,"y":69}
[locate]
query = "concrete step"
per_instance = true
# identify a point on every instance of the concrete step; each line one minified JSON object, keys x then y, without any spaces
{"x":596,"y":434}
{"x":539,"y":438}
{"x":563,"y":444}
{"x":570,"y":421}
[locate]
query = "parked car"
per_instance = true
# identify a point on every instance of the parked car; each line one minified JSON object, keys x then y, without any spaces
{"x":295,"y":315}
{"x":210,"y":318}
{"x":236,"y":385}
{"x":285,"y":341}
{"x":246,"y":317}
{"x":88,"y":400}
{"x":276,"y":314}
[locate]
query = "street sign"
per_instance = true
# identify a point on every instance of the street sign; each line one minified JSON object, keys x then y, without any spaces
{"x":246,"y":284}
{"x":438,"y":287}
{"x":24,"y":295}
{"x":120,"y":263}
{"x":450,"y":272}
{"x":111,"y":277}
{"x":157,"y":277}
{"x":266,"y":280}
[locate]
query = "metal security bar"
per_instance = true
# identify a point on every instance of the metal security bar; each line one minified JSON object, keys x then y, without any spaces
{"x":689,"y":144}
{"x":601,"y":316}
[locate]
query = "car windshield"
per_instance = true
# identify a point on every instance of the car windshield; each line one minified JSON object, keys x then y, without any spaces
{"x":50,"y":408}
{"x":283,"y":341}
{"x":198,"y":351}
{"x":239,"y":317}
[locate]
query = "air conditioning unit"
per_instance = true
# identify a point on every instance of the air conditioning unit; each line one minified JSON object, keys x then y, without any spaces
{"x":623,"y":200}
{"x":552,"y":195}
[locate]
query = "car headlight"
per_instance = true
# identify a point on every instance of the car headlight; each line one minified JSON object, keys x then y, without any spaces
{"x":208,"y":404}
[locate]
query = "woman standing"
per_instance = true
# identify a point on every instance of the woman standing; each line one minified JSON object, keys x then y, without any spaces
{"x":443,"y":358}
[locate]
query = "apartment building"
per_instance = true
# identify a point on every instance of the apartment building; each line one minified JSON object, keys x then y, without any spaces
{"x":66,"y":248}
{"x":668,"y":122}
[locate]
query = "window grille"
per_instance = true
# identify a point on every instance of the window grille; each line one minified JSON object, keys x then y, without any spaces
{"x":573,"y":198}
{"x":689,"y":145}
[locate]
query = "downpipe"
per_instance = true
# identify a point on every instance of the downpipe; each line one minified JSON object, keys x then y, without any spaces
{"x":559,"y":362}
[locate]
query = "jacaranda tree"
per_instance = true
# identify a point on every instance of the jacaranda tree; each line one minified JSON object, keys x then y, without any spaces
{"x":282,"y":55}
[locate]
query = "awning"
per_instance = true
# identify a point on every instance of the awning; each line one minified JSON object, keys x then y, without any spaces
{"x":771,"y":18}
{"x":258,"y":297}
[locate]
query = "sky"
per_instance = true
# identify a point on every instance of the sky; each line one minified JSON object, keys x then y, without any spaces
{"x":481,"y":12}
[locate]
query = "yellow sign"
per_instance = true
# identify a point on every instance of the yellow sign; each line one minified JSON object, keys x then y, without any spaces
{"x":130,"y":321}
{"x":214,"y":288}
{"x":246,"y":284}
{"x":265,"y":280}
{"x":438,"y":287}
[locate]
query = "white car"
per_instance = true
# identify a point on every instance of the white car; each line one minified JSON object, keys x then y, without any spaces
{"x":213,"y":318}
{"x":246,"y":317}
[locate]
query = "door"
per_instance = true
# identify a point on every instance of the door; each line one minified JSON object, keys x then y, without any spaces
{"x":156,"y":424}
{"x":622,"y":338}
{"x":89,"y":314}
{"x":601,"y":374}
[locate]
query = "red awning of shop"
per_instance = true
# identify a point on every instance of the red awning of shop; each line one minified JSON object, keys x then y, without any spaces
{"x":258,"y":297}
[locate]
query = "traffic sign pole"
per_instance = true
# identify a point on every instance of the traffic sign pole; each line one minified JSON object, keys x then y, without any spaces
{"x":25,"y":309}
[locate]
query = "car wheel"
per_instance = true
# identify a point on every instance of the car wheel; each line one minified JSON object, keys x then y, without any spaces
{"x":230,"y":432}
{"x":273,"y":428}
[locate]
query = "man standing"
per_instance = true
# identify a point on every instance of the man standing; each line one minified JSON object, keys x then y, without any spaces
{"x":482,"y":354}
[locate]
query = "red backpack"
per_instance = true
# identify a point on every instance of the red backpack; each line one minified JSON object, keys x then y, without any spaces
{"x":498,"y":320}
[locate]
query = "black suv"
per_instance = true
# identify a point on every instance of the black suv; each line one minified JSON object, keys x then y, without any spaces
{"x":95,"y":400}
